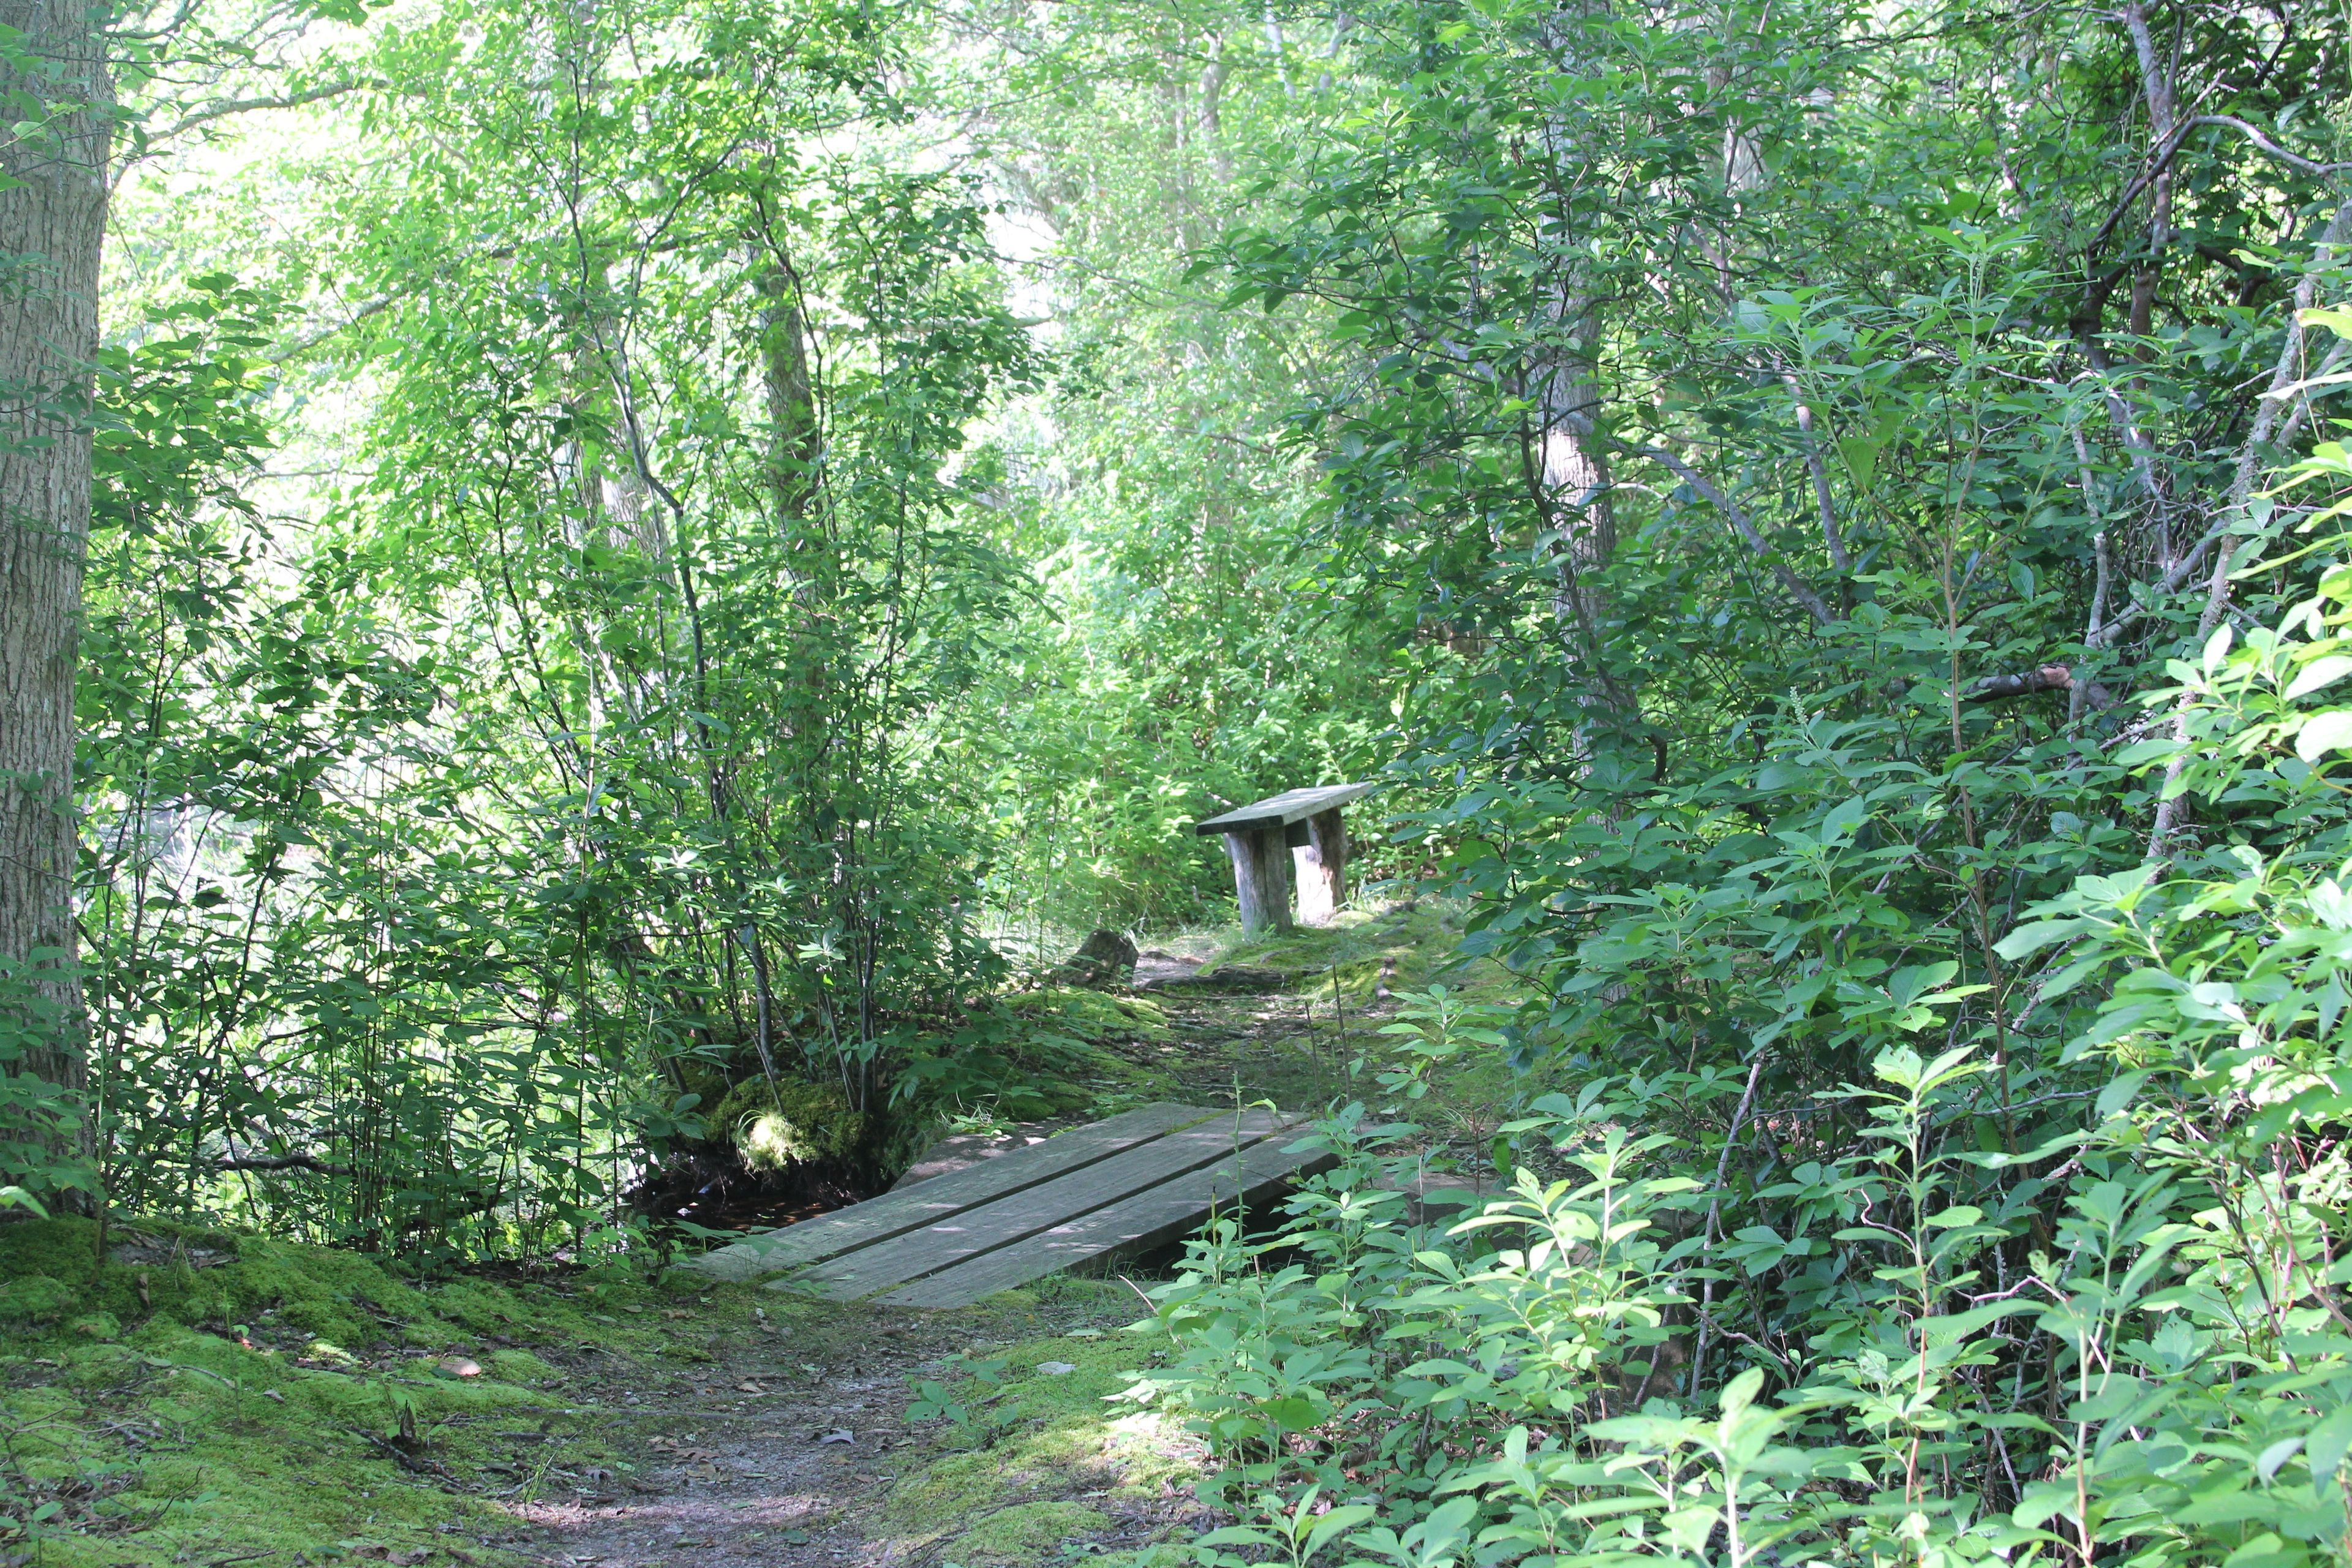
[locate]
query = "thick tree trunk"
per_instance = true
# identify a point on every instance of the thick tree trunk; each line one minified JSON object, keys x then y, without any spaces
{"x":51,"y":220}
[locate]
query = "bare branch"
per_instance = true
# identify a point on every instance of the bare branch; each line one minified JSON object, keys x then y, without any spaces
{"x":1795,"y":585}
{"x":1831,"y":537}
{"x":227,"y":107}
{"x":280,"y":1163}
{"x":2043,"y":678}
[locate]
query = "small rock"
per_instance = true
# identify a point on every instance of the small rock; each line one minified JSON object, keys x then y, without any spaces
{"x":1055,"y":1368}
{"x":1106,"y":958}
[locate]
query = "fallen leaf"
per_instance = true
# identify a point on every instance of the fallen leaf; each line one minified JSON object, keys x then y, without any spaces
{"x":839,"y":1434}
{"x":1055,"y":1368}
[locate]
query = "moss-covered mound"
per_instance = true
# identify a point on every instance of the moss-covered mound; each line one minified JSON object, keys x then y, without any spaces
{"x":791,"y":1122}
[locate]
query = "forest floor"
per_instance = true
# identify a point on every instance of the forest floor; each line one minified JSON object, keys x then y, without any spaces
{"x":283,"y":1406}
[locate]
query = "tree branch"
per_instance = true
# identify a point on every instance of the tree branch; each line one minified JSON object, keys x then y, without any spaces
{"x":223,"y":109}
{"x":2043,"y":678}
{"x":1795,"y":585}
{"x":280,"y":1163}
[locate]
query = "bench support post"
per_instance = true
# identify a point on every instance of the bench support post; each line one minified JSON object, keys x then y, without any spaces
{"x":1321,"y":869}
{"x":1260,"y":877}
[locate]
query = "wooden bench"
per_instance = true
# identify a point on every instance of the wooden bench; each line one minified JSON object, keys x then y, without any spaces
{"x":1295,"y":839}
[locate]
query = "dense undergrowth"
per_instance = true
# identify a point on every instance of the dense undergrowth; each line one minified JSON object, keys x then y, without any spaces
{"x":2068,"y":1292}
{"x":653,"y":562}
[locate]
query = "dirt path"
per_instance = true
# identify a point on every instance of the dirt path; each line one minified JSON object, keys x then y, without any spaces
{"x":784,"y":1449}
{"x":778,"y":1453}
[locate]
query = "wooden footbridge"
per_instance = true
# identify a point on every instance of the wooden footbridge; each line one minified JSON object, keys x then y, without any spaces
{"x":1089,"y":1196}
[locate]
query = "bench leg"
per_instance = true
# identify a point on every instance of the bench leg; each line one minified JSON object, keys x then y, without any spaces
{"x":1321,"y":869}
{"x":1260,"y":877}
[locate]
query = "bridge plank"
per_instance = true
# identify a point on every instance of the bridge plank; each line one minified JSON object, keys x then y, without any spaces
{"x":1134,"y":1224}
{"x":895,"y":1213}
{"x":982,"y":1229}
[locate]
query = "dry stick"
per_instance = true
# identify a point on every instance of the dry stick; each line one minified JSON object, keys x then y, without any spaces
{"x":1714,"y":1213}
{"x":2241,"y":490}
{"x":1791,"y":583}
{"x":2092,"y":640}
{"x":1833,"y":541}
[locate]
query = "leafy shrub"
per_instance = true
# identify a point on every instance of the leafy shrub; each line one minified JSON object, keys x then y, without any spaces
{"x":2160,"y":1380}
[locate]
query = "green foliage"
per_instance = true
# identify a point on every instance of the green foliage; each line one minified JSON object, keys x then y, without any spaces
{"x":1728,"y":471}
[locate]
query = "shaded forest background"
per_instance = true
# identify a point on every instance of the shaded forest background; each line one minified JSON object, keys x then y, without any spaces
{"x":649,"y":555}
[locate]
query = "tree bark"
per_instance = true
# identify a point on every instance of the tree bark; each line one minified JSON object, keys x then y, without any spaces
{"x":792,"y":397}
{"x":1571,"y":466}
{"x":52,"y":219}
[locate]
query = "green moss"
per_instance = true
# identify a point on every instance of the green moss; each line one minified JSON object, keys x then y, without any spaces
{"x":269,"y":1450}
{"x":35,"y":1298}
{"x":772,"y":1127}
{"x":96,"y":1326}
{"x":1092,"y":1016}
{"x":1049,"y":1433}
{"x":518,"y":1366}
{"x":1025,"y":1534}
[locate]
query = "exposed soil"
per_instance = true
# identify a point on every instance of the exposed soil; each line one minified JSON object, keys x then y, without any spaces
{"x":709,"y":1186}
{"x":778,"y":1452}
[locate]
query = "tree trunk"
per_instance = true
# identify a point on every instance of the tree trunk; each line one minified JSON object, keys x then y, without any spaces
{"x":794,"y":447}
{"x":1570,"y":469}
{"x":52,"y":219}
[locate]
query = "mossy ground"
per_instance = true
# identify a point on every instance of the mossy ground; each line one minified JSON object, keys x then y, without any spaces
{"x":210,"y":1398}
{"x":209,"y":1392}
{"x":215,"y":1427}
{"x":1042,"y":1459}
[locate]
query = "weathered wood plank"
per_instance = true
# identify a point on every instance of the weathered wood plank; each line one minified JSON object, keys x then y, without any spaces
{"x":970,"y":1232}
{"x":1280,"y":810}
{"x":893,"y":1214}
{"x":1320,"y":867}
{"x":1148,"y":1219}
{"x":1260,"y":877}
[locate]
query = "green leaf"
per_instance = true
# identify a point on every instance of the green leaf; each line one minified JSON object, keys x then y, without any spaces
{"x":2319,"y":672}
{"x":2323,"y":733}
